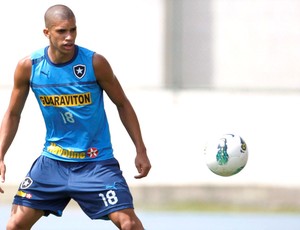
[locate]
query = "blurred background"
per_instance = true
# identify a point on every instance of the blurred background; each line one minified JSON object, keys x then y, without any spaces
{"x":193,"y":69}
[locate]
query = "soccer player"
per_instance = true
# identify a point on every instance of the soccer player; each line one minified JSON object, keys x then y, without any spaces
{"x":77,"y":160}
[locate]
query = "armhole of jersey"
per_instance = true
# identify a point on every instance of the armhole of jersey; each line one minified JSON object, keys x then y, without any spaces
{"x":34,"y":61}
{"x":92,"y":64}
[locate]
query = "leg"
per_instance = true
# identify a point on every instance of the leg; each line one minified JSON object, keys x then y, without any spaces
{"x":23,"y":218}
{"x":126,"y":219}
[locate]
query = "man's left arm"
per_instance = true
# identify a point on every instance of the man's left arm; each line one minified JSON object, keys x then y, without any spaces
{"x":113,"y":89}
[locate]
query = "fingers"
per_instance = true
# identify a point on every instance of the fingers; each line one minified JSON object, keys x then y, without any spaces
{"x":143,"y":170}
{"x":2,"y":172}
{"x":2,"y":178}
{"x":2,"y":175}
{"x":139,"y":176}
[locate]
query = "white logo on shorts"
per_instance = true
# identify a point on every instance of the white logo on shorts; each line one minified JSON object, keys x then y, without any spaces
{"x":26,"y":183}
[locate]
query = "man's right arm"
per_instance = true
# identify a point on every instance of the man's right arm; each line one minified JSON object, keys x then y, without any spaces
{"x":11,"y":119}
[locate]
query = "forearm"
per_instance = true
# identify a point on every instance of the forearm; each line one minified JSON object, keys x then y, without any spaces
{"x":131,"y":123}
{"x":8,"y":131}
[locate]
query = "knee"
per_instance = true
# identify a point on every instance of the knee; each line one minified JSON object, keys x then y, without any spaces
{"x":14,"y":225}
{"x":18,"y":224}
{"x":126,"y":220}
{"x":131,"y":224}
{"x":23,"y":218}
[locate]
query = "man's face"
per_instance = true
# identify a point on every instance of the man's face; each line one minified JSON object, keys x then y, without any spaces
{"x":62,"y":35}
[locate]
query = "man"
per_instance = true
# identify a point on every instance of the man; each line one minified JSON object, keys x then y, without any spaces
{"x":77,"y":161}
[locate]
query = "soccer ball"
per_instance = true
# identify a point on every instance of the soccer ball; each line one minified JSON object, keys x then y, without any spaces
{"x":227,"y":155}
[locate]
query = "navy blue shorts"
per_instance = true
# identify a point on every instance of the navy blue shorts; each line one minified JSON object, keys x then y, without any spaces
{"x":98,"y":187}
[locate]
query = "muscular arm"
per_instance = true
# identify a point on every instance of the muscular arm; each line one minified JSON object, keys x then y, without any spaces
{"x":112,"y":87}
{"x":12,"y":116}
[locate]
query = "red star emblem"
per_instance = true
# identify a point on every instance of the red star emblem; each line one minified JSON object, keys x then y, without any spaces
{"x":28,"y":196}
{"x":92,"y":152}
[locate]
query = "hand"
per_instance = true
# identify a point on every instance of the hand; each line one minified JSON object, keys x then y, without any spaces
{"x":143,"y":165}
{"x":2,"y":174}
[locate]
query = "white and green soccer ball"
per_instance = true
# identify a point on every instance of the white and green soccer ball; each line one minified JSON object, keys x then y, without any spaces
{"x":227,"y":155}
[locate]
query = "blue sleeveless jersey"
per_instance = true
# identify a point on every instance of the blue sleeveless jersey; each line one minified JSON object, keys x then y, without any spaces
{"x":72,"y":105}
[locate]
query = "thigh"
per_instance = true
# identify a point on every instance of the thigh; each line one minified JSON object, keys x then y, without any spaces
{"x":44,"y":187}
{"x":23,"y":217}
{"x":100,"y":189}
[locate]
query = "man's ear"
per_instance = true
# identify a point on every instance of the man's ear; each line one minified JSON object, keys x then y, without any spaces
{"x":46,"y":32}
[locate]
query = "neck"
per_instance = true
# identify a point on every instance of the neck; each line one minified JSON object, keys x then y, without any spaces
{"x":58,"y":57}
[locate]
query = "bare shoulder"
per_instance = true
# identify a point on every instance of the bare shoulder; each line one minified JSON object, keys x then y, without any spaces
{"x":23,"y":71}
{"x":21,"y":86}
{"x":25,"y":62}
{"x":102,"y":68}
{"x":107,"y":80}
{"x":99,"y":59}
